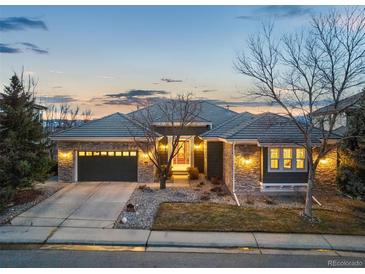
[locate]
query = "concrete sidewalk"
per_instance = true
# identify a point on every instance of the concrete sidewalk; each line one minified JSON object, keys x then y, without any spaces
{"x":152,"y":239}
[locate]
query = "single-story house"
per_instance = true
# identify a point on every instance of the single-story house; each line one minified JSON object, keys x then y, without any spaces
{"x":249,"y":153}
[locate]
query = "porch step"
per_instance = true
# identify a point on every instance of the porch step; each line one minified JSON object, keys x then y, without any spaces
{"x":180,"y":172}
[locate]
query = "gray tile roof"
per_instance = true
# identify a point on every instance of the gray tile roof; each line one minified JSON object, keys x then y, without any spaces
{"x":226,"y":128}
{"x":114,"y":125}
{"x":209,"y":113}
{"x":266,"y":128}
{"x":345,"y":104}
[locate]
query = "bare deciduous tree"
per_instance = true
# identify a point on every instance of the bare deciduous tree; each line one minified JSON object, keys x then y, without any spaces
{"x":177,"y":114}
{"x":297,"y":72}
{"x":86,"y":115}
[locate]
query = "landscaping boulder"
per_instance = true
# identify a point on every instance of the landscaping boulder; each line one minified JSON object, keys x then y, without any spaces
{"x":180,"y":194}
{"x":130,"y":208}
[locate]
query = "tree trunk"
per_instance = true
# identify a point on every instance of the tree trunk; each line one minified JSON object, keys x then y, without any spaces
{"x":163,"y":179}
{"x":308,"y":199}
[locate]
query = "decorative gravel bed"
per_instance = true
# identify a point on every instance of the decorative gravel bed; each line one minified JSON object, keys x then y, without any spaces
{"x":146,"y":202}
{"x":40,"y":192}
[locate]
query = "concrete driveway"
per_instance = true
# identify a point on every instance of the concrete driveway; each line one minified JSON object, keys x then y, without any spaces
{"x":88,"y":204}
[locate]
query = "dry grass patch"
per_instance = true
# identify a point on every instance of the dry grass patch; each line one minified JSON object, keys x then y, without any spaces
{"x":222,"y":217}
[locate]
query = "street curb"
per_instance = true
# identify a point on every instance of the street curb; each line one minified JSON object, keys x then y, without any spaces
{"x":11,"y":236}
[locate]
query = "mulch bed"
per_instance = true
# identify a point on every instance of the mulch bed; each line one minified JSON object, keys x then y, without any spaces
{"x":27,"y":198}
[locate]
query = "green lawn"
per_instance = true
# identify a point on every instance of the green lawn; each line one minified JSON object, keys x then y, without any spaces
{"x":220,"y":217}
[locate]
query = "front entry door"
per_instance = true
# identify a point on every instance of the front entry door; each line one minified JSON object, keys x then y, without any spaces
{"x":182,"y":159}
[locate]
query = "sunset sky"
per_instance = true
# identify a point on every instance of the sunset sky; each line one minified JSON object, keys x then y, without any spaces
{"x":108,"y":58}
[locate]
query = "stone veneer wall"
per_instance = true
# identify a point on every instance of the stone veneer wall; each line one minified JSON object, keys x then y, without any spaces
{"x":247,"y":175}
{"x":67,"y":154}
{"x":327,"y":171}
{"x":227,"y":165}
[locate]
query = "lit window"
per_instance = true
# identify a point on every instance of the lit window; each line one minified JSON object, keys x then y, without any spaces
{"x":287,"y":159}
{"x":81,"y":153}
{"x":133,"y":153}
{"x":96,"y":153}
{"x":274,"y":158}
{"x":300,"y":158}
{"x":89,"y":153}
{"x":118,"y":153}
{"x":274,"y":164}
{"x":287,"y":155}
{"x":111,"y":153}
{"x":125,"y":153}
{"x":103,"y":153}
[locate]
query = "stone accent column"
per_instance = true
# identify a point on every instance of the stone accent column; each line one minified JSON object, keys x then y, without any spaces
{"x":227,"y":165}
{"x":66,"y":165}
{"x":146,"y":169}
{"x":247,"y":168}
{"x":327,"y":171}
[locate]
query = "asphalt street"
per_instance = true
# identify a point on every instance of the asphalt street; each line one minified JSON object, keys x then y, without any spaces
{"x":66,"y":258}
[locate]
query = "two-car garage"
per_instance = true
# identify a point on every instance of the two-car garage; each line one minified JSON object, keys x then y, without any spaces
{"x":107,"y":166}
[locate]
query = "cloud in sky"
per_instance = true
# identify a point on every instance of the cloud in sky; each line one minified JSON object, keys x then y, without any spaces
{"x":137,"y":93}
{"x":132,"y":101}
{"x":208,"y":90}
{"x":169,"y":80}
{"x":34,"y":48}
{"x":6,"y":48}
{"x":56,"y":71}
{"x":12,"y":48}
{"x":134,"y":97}
{"x":21,"y":23}
{"x":104,"y":77}
{"x":277,"y":11}
{"x":57,"y":99}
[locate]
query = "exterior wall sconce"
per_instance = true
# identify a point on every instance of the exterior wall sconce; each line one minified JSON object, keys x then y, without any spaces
{"x":197,"y":146}
{"x":246,"y":161}
{"x":145,"y":158}
{"x":66,"y":155}
{"x":163,"y":147}
{"x":324,"y":161}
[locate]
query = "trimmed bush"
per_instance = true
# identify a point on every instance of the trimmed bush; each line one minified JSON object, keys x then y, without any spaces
{"x":193,"y":173}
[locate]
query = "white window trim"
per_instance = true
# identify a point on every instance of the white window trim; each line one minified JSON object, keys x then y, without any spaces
{"x":281,"y":168}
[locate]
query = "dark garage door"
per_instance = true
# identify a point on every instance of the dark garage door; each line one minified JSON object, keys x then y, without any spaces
{"x":107,"y":166}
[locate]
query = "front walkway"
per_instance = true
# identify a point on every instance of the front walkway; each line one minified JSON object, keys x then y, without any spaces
{"x":88,"y":204}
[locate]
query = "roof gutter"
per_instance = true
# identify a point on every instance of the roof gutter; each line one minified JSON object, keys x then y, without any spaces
{"x":98,"y":139}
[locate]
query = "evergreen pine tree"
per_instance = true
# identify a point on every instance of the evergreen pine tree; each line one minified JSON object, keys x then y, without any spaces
{"x":23,"y":154}
{"x":351,"y":172}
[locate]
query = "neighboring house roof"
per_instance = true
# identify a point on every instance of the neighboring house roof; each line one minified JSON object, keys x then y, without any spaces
{"x":209,"y":113}
{"x":114,"y":125}
{"x":40,"y":107}
{"x":265,"y":128}
{"x":343,"y":105}
{"x":341,"y":131}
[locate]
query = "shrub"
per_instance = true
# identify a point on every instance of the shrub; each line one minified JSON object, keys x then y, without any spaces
{"x":351,"y":170}
{"x":215,"y":181}
{"x":193,"y":173}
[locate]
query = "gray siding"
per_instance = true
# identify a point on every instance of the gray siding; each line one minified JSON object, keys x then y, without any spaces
{"x":281,"y":177}
{"x":215,"y":159}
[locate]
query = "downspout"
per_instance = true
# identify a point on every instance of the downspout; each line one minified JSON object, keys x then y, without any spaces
{"x":234,"y":174}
